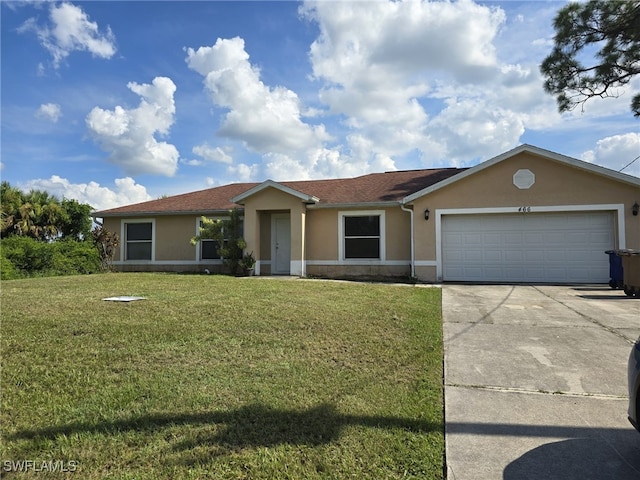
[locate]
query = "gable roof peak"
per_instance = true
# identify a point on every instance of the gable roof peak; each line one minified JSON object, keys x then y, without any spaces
{"x":541,"y":152}
{"x":239,"y":199}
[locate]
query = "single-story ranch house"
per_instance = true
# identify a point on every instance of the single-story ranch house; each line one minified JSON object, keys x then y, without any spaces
{"x":527,"y":215}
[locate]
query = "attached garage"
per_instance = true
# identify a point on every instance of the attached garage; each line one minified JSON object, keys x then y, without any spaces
{"x":558,"y":247}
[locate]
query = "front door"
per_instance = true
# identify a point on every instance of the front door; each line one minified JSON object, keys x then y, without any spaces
{"x":281,"y":244}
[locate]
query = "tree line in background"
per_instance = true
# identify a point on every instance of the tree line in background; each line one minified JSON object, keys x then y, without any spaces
{"x":43,"y":235}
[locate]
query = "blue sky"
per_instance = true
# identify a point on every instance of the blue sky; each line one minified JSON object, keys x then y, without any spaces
{"x":113,"y":103}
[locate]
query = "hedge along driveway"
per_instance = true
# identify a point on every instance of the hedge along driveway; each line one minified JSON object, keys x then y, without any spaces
{"x":222,"y":377}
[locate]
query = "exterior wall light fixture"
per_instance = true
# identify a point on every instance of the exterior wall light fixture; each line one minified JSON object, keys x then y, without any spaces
{"x":426,"y":214}
{"x":635,"y":208}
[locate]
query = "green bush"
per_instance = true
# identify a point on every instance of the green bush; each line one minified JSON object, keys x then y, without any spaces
{"x":72,"y":257}
{"x":7,"y":270}
{"x":24,"y":256}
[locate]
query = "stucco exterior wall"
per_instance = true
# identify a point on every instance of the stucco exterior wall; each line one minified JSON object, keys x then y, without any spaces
{"x":322,"y":234}
{"x":272,"y":199}
{"x":172,"y":246}
{"x":173,"y":235}
{"x":323,"y":237}
{"x":555,"y":185}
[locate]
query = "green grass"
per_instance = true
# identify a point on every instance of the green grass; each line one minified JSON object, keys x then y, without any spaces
{"x":221,"y":377}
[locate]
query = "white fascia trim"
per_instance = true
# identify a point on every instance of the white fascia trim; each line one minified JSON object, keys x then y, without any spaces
{"x":260,"y":264}
{"x":167,"y":262}
{"x":426,"y":263}
{"x":165,"y":213}
{"x":278,"y":186}
{"x":123,"y":236}
{"x":294,"y":263}
{"x":355,"y":263}
{"x":616,"y":207}
{"x":383,"y":234}
{"x":574,"y":162}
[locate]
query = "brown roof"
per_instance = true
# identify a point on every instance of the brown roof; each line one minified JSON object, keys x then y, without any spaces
{"x":372,"y":188}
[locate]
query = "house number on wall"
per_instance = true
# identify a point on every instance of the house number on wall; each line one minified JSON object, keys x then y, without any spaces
{"x":524,"y":209}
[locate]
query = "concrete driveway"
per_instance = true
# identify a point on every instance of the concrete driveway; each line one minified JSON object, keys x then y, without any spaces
{"x":535,"y":382}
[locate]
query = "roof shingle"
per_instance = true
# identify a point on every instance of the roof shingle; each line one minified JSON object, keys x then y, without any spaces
{"x":371,"y":188}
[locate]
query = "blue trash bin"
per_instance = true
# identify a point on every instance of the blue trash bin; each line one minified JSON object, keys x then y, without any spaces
{"x":616,"y":273}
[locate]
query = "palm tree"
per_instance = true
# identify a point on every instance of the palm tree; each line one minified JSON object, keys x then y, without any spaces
{"x":10,"y":200}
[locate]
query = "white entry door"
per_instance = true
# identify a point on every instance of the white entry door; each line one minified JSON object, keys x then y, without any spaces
{"x":281,"y":244}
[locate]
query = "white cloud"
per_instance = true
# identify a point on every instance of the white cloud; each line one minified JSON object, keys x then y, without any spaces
{"x":266,"y":119}
{"x":212,"y":154}
{"x":360,"y":38}
{"x":244,"y":172}
{"x":193,"y":162}
{"x":49,"y":111}
{"x":126,"y":191}
{"x":616,"y":152}
{"x":475,"y":129}
{"x":129,"y":134}
{"x":425,"y":76}
{"x":71,"y":30}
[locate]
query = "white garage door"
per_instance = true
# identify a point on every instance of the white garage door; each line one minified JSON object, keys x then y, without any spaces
{"x":532,"y":247}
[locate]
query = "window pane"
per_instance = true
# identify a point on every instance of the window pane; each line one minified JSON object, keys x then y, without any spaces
{"x":210,"y":250}
{"x":362,"y":248}
{"x":139,"y":231}
{"x":368,"y":226}
{"x":138,"y":250}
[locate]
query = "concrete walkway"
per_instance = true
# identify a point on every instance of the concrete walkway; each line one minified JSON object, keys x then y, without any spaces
{"x":535,"y":382}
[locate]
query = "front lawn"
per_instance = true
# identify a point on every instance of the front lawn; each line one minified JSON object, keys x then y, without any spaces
{"x":220,"y":377}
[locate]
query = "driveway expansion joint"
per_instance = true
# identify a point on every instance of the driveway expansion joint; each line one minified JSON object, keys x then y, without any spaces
{"x":587,"y":317}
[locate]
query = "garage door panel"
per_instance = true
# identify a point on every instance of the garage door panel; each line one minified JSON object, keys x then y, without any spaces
{"x":512,"y":238}
{"x":596,"y":237}
{"x":534,"y":256}
{"x":472,"y":239}
{"x":473,"y":256}
{"x":533,"y":247}
{"x":494,"y":239}
{"x":534,"y":238}
{"x":554,"y":237}
{"x":492,"y":256}
{"x":555,"y":256}
{"x":514,"y":256}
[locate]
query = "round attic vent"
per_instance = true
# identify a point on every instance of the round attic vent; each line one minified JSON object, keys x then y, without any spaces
{"x":524,"y":179}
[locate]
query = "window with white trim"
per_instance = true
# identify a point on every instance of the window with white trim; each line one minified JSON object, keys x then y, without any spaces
{"x":139,"y":240}
{"x":362,"y":235}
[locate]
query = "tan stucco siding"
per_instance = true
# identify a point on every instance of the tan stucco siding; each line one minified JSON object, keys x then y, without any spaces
{"x":322,"y":234}
{"x":555,"y":185}
{"x":272,"y":199}
{"x":323,"y":238}
{"x":172,"y":238}
{"x":398,"y":231}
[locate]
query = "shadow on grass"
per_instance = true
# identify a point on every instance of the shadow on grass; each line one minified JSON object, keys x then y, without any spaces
{"x":253,"y":425}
